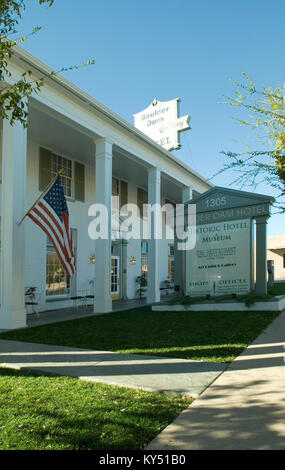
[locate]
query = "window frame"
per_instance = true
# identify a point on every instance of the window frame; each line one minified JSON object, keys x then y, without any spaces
{"x":171,"y":261}
{"x":144,"y":259}
{"x":72,"y":178}
{"x":50,"y":249}
{"x":143,"y":213}
{"x":51,"y":172}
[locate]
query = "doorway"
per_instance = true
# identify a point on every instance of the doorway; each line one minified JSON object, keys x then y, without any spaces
{"x":115,"y":277}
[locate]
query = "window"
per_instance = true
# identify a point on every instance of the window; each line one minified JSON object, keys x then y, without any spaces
{"x":59,"y":163}
{"x":115,"y":196}
{"x":171,"y":250}
{"x":171,"y":263}
{"x":142,"y":198}
{"x":57,"y":282}
{"x":144,"y":260}
{"x":119,"y":193}
{"x":119,"y":199}
{"x":73,"y":179}
{"x":284,"y":261}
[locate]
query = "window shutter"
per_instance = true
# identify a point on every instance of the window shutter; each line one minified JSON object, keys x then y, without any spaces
{"x":142,"y":198}
{"x":44,"y":168}
{"x":124,"y":193}
{"x":140,"y":201}
{"x":79,"y":181}
{"x":115,"y":187}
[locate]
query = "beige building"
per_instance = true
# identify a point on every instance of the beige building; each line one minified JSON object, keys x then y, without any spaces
{"x":276,"y":253}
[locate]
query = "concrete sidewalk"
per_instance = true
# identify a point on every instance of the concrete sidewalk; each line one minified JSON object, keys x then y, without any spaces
{"x":243,"y":409}
{"x":151,"y":373}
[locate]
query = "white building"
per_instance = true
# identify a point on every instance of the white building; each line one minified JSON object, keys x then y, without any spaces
{"x":276,"y":253}
{"x":102,"y":155}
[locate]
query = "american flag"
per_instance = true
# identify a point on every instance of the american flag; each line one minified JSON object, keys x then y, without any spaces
{"x":51,"y":214}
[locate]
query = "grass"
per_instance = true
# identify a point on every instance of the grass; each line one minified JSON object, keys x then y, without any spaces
{"x":209,"y":336}
{"x":61,"y":413}
{"x":39,"y":412}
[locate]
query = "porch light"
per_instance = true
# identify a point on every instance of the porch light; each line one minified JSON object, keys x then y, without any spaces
{"x":132,"y":260}
{"x":92,"y":258}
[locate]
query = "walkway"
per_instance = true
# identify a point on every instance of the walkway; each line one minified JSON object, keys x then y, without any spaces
{"x":151,"y":373}
{"x":71,"y":313}
{"x":243,"y":409}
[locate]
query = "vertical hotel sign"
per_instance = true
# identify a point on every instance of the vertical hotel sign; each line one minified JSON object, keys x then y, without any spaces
{"x":222,"y":261}
{"x":161,"y":122}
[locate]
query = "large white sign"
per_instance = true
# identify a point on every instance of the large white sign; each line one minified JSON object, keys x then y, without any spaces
{"x":220,"y":262}
{"x":162,"y":123}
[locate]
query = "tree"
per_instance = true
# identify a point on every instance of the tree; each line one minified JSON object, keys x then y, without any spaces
{"x":265,"y":163}
{"x":13,"y":94}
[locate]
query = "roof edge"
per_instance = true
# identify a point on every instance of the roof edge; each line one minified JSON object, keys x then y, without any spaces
{"x":44,"y":69}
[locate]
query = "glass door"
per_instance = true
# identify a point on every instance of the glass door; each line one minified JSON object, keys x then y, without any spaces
{"x":115,"y":276}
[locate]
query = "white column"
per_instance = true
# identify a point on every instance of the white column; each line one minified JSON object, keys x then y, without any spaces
{"x":153,"y":276}
{"x":186,"y":194}
{"x":179,"y":256}
{"x":261,"y":254}
{"x":103,"y":195}
{"x":14,"y":154}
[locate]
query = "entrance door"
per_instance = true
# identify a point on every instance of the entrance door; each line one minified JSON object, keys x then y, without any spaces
{"x":115,"y":277}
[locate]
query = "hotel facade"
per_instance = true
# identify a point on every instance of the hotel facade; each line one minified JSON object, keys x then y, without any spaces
{"x":106,"y":161}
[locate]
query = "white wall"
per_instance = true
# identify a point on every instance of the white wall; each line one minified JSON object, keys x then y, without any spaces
{"x":35,"y":239}
{"x":35,"y":256}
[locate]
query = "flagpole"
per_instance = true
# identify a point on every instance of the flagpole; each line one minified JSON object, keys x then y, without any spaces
{"x":42,"y":194}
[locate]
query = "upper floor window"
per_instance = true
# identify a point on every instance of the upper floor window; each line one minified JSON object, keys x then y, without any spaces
{"x":119,"y":193}
{"x":142,"y":198}
{"x":59,"y":163}
{"x":72,"y":179}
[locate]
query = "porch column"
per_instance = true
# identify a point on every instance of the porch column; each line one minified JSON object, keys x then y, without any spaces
{"x":261,"y":254}
{"x":179,"y":255}
{"x":124,"y":269}
{"x":103,"y":195}
{"x":14,"y":154}
{"x":186,"y":194}
{"x":153,"y":276}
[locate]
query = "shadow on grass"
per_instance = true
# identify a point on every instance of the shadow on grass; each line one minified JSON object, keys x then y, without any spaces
{"x":218,"y":336}
{"x":68,"y":414}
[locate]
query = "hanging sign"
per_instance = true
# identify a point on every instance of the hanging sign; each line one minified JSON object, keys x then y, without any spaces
{"x":161,"y":122}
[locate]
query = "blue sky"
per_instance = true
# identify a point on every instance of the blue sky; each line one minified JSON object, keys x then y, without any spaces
{"x":164,"y":49}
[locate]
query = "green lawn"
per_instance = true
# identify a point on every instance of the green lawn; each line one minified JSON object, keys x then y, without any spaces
{"x":61,"y":413}
{"x":209,"y":336}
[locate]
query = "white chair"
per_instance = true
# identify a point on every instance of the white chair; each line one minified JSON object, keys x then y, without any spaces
{"x":33,"y":298}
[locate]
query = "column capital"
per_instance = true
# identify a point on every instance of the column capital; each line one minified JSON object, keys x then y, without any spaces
{"x":104,"y":147}
{"x":154,"y":174}
{"x":101,"y":139}
{"x":261,"y":219}
{"x":186,"y":194}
